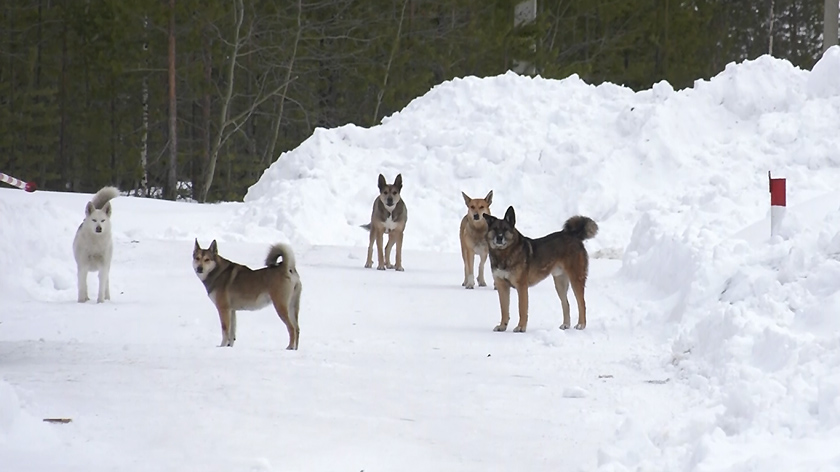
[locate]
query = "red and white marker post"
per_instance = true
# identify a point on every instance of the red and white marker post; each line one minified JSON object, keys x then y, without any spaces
{"x":28,"y":186}
{"x":778,"y":202}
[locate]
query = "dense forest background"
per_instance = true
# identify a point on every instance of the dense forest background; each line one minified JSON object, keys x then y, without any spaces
{"x":194,"y":98}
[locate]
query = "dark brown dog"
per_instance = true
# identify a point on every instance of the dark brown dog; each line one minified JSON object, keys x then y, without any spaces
{"x":521,"y":262}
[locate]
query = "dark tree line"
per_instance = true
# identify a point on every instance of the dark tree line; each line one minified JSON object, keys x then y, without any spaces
{"x":194,"y":98}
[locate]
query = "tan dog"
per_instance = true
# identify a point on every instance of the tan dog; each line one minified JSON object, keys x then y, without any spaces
{"x":521,"y":262}
{"x":233,"y":286}
{"x":389,"y":216}
{"x":473,"y":242}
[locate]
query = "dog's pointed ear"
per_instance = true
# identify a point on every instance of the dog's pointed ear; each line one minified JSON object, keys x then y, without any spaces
{"x":214,"y":248}
{"x":466,"y":198}
{"x":89,"y":208}
{"x":107,"y":209}
{"x":488,"y":218}
{"x":510,"y":216}
{"x":489,"y":197}
{"x":398,"y":182}
{"x":382,"y":183}
{"x":196,"y":248}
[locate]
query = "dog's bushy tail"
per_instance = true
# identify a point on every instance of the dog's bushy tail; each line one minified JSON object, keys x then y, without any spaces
{"x":581,"y":227}
{"x":365,"y":227}
{"x":280,"y":250}
{"x":103,"y":196}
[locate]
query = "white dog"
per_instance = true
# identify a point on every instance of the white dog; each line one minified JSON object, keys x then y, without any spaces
{"x":92,"y":246}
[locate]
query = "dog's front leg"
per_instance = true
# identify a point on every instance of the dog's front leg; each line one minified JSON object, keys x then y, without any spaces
{"x":469,"y":262}
{"x":482,"y":259}
{"x":466,"y":263}
{"x":392,"y":238}
{"x":379,"y":254}
{"x":399,"y":265}
{"x":224,"y":319}
{"x":369,"y":262}
{"x":232,"y":329}
{"x":504,"y":302}
{"x":104,"y":293}
{"x":522,"y":292}
{"x":81,"y":275}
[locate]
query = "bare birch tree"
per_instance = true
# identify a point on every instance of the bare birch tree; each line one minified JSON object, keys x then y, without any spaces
{"x":394,"y":48}
{"x":144,"y":96}
{"x":172,"y":174}
{"x":228,"y":125}
{"x":268,"y":155}
{"x":832,"y":12}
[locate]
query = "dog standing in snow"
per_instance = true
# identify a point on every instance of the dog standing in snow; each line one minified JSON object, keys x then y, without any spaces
{"x":92,"y":246}
{"x":389,"y":216}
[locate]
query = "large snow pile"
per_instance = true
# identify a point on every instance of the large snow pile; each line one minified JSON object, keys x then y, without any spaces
{"x":696,"y":157}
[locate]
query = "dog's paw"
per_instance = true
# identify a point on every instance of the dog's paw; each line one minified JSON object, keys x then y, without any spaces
{"x":380,"y":267}
{"x":501,"y":327}
{"x":469,"y":287}
{"x":368,"y":265}
{"x":399,"y":269}
{"x":482,"y":283}
{"x":83,"y":299}
{"x":564,"y":326}
{"x":100,"y":300}
{"x":389,"y":266}
{"x":469,"y":282}
{"x":580,"y":326}
{"x":519,"y":329}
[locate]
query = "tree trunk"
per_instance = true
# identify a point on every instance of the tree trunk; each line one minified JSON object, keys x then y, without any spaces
{"x":42,"y":166}
{"x":202,"y":190}
{"x":172,"y":177}
{"x":239,"y":14}
{"x":394,"y":47}
{"x":144,"y":134}
{"x":268,"y":156}
{"x":63,"y":165}
{"x":831,"y":24}
{"x":771,"y":21}
{"x":114,"y":177}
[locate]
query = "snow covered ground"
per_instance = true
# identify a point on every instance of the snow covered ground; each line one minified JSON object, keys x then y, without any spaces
{"x":710,"y":346}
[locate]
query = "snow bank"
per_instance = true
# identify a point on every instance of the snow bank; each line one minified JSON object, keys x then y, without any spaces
{"x":554,"y":148}
{"x":823,"y":80}
{"x":757,"y":321}
{"x":34,"y":255}
{"x":19,"y":432}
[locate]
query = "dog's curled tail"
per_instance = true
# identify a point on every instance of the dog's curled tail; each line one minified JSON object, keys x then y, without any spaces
{"x":280,"y":250}
{"x":581,"y":227}
{"x":103,"y":196}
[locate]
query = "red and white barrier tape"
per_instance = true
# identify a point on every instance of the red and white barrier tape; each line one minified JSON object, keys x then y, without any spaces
{"x":28,"y":186}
